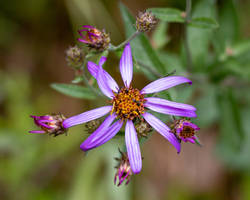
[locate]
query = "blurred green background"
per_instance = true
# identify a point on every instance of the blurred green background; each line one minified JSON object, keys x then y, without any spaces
{"x":33,"y":38}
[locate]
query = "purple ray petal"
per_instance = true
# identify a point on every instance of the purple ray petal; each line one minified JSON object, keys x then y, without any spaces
{"x":191,"y":140}
{"x":103,"y":83}
{"x":164,"y":83}
{"x":81,"y":40}
{"x":46,"y":126}
{"x":111,"y":132}
{"x":164,"y":102}
{"x":87,"y":26}
{"x":133,"y":147}
{"x":102,"y":60}
{"x":93,"y":69}
{"x":38,"y":132}
{"x":94,"y":139}
{"x":170,"y":110}
{"x":194,"y":126}
{"x":92,"y":34}
{"x":126,"y":66}
{"x":163,"y":129}
{"x":86,"y":116}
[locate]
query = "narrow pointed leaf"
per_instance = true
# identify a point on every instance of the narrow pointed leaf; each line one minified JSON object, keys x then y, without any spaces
{"x":168,"y":14}
{"x":73,"y":90}
{"x":204,"y":22}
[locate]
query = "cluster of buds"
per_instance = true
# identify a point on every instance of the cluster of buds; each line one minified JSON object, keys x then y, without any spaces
{"x":145,"y":21}
{"x":74,"y":57}
{"x":91,"y":126}
{"x":50,"y":124}
{"x":94,"y":38}
{"x":143,"y":128}
{"x":185,"y":130}
{"x":124,"y":171}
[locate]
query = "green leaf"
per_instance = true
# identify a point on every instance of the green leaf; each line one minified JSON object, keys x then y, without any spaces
{"x":229,"y":26}
{"x":160,"y":37}
{"x":199,"y":39}
{"x":77,"y":79}
{"x":74,"y":90}
{"x":204,"y":22}
{"x":141,"y":47}
{"x":168,"y":14}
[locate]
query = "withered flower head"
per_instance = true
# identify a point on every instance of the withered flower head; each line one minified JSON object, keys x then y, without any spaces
{"x":145,"y":21}
{"x":74,"y":56}
{"x":143,"y":128}
{"x":91,"y":126}
{"x":185,"y":130}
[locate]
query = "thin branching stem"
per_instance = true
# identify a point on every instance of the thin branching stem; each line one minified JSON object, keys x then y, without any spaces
{"x":114,"y":48}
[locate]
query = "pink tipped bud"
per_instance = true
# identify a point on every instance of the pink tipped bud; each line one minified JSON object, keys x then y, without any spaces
{"x":94,"y":38}
{"x":124,"y":171}
{"x":51,"y":124}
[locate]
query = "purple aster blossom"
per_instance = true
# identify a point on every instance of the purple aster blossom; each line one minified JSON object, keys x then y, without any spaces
{"x":94,"y":38}
{"x":51,"y":124}
{"x":185,"y":130}
{"x":129,"y":104}
{"x":124,"y":171}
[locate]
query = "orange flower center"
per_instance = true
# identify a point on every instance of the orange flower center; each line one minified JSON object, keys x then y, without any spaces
{"x":187,"y":132}
{"x":91,"y":38}
{"x":128,"y":103}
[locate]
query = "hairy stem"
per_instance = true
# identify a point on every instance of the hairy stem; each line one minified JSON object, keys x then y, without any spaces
{"x":113,"y":48}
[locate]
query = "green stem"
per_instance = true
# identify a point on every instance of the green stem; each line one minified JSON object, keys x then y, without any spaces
{"x":186,"y":45}
{"x":114,"y":48}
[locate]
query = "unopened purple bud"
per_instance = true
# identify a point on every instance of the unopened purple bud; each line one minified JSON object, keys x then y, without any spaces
{"x":94,"y":38}
{"x":185,"y":130}
{"x":124,"y":171}
{"x":51,"y":124}
{"x":145,"y":21}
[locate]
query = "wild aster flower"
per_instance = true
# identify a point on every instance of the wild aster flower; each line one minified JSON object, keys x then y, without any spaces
{"x":185,"y":130}
{"x":94,"y":38}
{"x":124,"y":171}
{"x":128,"y":104}
{"x":51,"y":124}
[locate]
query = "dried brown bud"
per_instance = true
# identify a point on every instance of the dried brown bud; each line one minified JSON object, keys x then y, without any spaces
{"x":145,"y":21}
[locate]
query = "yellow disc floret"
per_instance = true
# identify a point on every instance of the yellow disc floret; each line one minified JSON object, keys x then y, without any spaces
{"x":128,"y":103}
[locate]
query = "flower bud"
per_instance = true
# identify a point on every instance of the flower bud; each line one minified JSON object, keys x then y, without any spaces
{"x":143,"y":128}
{"x":185,"y":130}
{"x":94,"y":38}
{"x":74,"y":57}
{"x":51,"y":124}
{"x":91,"y":126}
{"x":145,"y":21}
{"x":124,"y":171}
